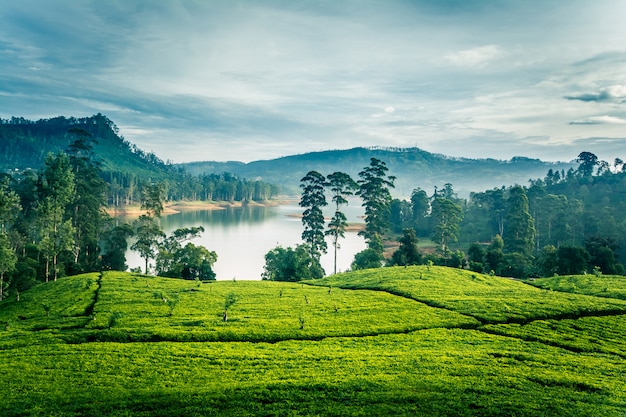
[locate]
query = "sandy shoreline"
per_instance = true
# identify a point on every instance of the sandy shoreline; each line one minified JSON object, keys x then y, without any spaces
{"x":179,"y":206}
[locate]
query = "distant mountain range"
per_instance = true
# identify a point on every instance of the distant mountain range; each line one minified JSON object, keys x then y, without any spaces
{"x":413,"y":168}
{"x":24,"y":144}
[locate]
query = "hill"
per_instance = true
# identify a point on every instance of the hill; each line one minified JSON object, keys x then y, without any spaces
{"x":413,"y":168}
{"x":428,"y":341}
{"x":24,"y":144}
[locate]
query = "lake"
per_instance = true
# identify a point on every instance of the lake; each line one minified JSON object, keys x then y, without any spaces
{"x":241,"y":236}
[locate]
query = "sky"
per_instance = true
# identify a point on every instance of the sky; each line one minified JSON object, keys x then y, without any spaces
{"x":248,"y":80}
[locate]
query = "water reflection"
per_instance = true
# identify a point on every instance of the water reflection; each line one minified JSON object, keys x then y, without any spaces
{"x":242,"y":236}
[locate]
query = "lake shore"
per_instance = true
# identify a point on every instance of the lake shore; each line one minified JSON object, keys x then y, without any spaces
{"x":180,"y":206}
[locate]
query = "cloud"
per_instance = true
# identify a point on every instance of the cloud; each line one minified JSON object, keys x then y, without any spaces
{"x":599,"y":120}
{"x":609,"y":94}
{"x":475,"y":57}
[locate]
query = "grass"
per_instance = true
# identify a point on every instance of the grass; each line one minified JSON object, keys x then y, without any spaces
{"x":608,"y":286}
{"x":395,"y":341}
{"x":486,"y":298}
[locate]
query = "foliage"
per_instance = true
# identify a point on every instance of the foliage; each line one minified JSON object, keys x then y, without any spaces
{"x":24,"y":145}
{"x":148,"y":236}
{"x":374,"y":184}
{"x":366,"y":259}
{"x":519,"y":232}
{"x":447,"y":216}
{"x":313,"y":200}
{"x":341,"y":186}
{"x":407,"y":253}
{"x":114,"y":243}
{"x":291,"y":264}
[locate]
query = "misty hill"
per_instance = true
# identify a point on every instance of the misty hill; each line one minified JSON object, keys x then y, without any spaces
{"x":24,"y":144}
{"x":413,"y":168}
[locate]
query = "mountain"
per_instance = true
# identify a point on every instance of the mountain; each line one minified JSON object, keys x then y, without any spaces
{"x":413,"y":167}
{"x":24,"y":144}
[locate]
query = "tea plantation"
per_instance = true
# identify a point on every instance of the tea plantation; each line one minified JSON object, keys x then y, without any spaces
{"x":416,"y":341}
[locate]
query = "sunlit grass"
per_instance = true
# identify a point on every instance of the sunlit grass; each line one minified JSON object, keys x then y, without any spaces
{"x":487,"y":298}
{"x":394,"y":341}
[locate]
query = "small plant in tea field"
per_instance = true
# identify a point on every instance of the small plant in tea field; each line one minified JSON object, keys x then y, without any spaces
{"x":113,"y":318}
{"x":229,"y":301}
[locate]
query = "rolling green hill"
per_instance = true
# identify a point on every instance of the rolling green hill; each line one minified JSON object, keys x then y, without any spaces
{"x":413,"y":168}
{"x":428,"y":341}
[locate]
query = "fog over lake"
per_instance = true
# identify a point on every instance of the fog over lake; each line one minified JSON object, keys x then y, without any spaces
{"x":241,"y":236}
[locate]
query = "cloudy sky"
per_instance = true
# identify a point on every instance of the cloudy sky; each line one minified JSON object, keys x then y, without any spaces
{"x":247,"y":80}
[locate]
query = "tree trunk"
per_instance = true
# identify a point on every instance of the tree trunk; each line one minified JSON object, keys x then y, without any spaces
{"x":335,"y":270}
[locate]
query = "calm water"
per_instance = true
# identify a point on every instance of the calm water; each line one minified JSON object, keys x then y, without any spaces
{"x":242,"y":236}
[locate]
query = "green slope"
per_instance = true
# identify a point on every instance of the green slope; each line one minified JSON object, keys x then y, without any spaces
{"x":393,"y":341}
{"x":25,"y":144}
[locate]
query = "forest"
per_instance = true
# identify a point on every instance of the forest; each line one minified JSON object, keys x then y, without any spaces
{"x":53,"y":220}
{"x":565,"y":223}
{"x":25,"y":144}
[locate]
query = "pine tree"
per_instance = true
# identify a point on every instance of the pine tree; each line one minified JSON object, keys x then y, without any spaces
{"x":313,"y":200}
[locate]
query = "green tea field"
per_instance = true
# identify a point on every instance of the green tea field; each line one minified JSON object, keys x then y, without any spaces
{"x":416,"y":341}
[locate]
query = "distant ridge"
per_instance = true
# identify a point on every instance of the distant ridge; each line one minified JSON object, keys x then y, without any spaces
{"x":413,"y":167}
{"x":24,"y":144}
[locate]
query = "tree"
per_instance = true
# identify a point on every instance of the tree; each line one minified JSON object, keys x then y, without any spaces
{"x":400,"y":215}
{"x":289,"y":264}
{"x":420,"y":207}
{"x":588,"y":162}
{"x":477,"y":256}
{"x":114,"y":246}
{"x":149,"y":235}
{"x":9,"y":205}
{"x":8,"y":259}
{"x":573,"y":260}
{"x":366,"y":259}
{"x":147,"y":231}
{"x":602,"y":254}
{"x":548,"y":263}
{"x":174,"y":260}
{"x":374,"y":191}
{"x":407,"y":253}
{"x":495,"y":255}
{"x":197,"y":262}
{"x":56,"y":189}
{"x":341,"y":185}
{"x":313,"y":199}
{"x":88,"y":217}
{"x":519,"y":233}
{"x":230,"y":299}
{"x":152,"y":198}
{"x":447,"y":217}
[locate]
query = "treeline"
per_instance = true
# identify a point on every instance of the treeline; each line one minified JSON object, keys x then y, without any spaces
{"x":125,"y":167}
{"x":125,"y":188}
{"x":53,"y":220}
{"x":565,"y":223}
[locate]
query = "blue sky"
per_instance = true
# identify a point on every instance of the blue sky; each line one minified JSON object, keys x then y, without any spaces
{"x":248,"y":80}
